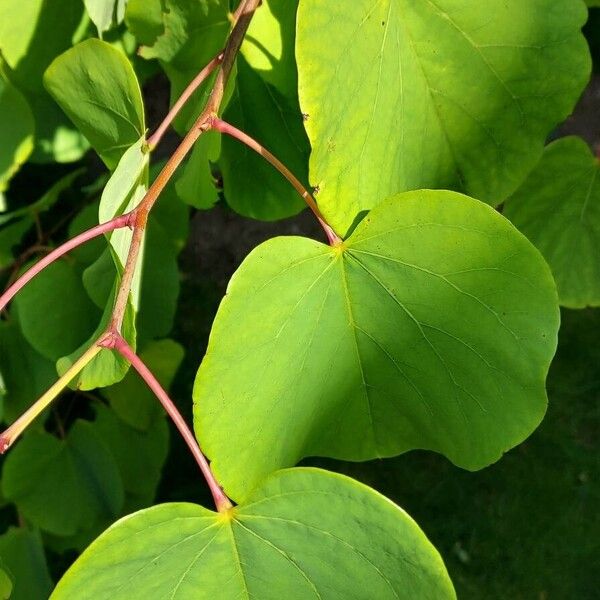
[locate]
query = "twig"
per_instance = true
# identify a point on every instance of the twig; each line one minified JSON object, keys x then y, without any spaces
{"x":224,"y":127}
{"x":117,"y":342}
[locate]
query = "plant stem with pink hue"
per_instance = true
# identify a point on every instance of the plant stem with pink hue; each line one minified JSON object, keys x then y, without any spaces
{"x":227,"y":128}
{"x":154,"y":140}
{"x":9,"y":436}
{"x":90,"y":234}
{"x":117,"y":342}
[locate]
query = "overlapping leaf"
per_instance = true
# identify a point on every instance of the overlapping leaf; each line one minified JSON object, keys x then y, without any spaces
{"x":265,"y":106}
{"x":22,"y":552}
{"x":96,"y":86}
{"x":439,"y":93}
{"x":304,"y":534}
{"x":90,"y":484}
{"x":16,"y":131}
{"x":558,"y":209}
{"x":432,"y":326}
{"x":32,"y":34}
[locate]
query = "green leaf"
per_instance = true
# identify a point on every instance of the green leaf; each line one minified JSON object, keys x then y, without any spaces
{"x":144,"y":18}
{"x":432,"y":326}
{"x":55,"y":313}
{"x":63,"y":486}
{"x":16,"y":131}
{"x":108,"y":367}
{"x":26,"y":374}
{"x":252,"y":186}
{"x":191,"y":34}
{"x":266,"y":84}
{"x":140,"y":455}
{"x":32,"y":34}
{"x":6,"y":584}
{"x":558,"y":209}
{"x":96,"y":86}
{"x":433,"y":94}
{"x":123,"y":192}
{"x":104,"y":13}
{"x":22,"y":552}
{"x":196,"y":184}
{"x":131,"y":399}
{"x":305,"y":533}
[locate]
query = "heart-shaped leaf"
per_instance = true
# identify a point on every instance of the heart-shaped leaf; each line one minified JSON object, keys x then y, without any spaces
{"x":432,"y":326}
{"x":436,"y":93}
{"x":558,"y":209}
{"x":304,"y":534}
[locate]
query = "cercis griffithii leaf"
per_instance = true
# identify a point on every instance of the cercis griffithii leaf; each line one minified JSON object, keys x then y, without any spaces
{"x":487,"y":81}
{"x":558,"y":209}
{"x":304,"y":533}
{"x":432,"y":327}
{"x":95,"y":84}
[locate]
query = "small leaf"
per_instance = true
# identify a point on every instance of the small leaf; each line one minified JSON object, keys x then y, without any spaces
{"x":104,"y":13}
{"x":196,"y":184}
{"x":304,"y":533}
{"x":96,"y":86}
{"x":63,"y":486}
{"x":131,"y":399}
{"x":432,"y":327}
{"x":558,"y":209}
{"x":433,"y":94}
{"x":23,"y":553}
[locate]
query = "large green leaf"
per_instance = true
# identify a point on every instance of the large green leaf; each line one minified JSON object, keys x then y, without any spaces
{"x":23,"y":553}
{"x":16,"y":131}
{"x":95,"y":84}
{"x":32,"y":34}
{"x":304,"y":534}
{"x":437,"y":93}
{"x":431,"y":327}
{"x":63,"y":486}
{"x":558,"y":209}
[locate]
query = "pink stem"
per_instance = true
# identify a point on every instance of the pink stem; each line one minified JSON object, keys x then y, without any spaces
{"x":154,"y":140}
{"x":117,"y":342}
{"x":125,"y":220}
{"x":224,"y":127}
